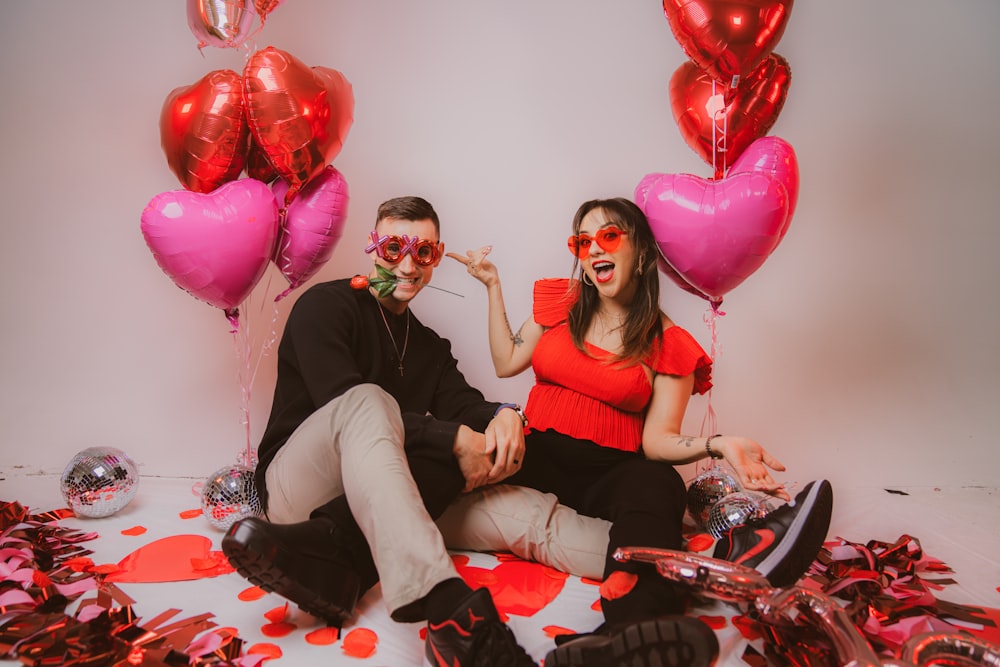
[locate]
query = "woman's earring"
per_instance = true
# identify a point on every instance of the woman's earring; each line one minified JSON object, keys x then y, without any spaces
{"x":586,"y":280}
{"x":642,"y":262}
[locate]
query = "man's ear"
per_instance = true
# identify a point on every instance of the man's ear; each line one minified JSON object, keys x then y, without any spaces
{"x":440,"y":254}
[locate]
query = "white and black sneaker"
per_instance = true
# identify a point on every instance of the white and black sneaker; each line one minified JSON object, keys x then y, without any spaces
{"x":784,"y":543}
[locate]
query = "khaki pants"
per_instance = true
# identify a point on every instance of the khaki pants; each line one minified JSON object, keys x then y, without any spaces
{"x":353,"y":445}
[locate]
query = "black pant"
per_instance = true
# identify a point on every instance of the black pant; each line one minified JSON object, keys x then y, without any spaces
{"x":645,"y":501}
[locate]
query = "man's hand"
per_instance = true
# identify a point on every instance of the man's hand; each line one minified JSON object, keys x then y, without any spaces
{"x":487,"y":458}
{"x":473,"y":459}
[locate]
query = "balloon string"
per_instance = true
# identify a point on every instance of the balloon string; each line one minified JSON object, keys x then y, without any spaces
{"x":241,"y":343}
{"x":248,"y":366}
{"x":710,"y":422}
{"x":719,"y":147}
{"x":715,"y":127}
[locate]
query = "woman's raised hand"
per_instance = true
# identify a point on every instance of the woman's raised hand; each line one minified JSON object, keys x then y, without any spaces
{"x":477,"y":265}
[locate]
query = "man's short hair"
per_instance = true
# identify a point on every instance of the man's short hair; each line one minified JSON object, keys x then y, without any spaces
{"x":408,"y":208}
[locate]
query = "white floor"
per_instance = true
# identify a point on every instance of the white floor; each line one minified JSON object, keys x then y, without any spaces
{"x":959,"y":527}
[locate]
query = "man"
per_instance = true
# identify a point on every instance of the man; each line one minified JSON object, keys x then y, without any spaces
{"x":367,"y":400}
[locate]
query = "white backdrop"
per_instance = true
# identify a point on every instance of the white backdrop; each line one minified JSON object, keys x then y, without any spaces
{"x":863,"y":350}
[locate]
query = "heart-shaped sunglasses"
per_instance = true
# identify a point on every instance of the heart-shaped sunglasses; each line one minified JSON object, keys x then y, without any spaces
{"x":607,"y":237}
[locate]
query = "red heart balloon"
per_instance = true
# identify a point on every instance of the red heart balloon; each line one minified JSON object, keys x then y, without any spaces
{"x":299,"y":116}
{"x":727,"y":38}
{"x":203,"y":131}
{"x":719,"y":123}
{"x":258,"y":166}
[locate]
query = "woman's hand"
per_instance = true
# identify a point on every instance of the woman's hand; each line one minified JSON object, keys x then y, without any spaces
{"x":505,"y":440}
{"x":751,"y":463}
{"x":477,"y":265}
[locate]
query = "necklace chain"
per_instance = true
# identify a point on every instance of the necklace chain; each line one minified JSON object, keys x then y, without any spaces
{"x":406,"y":339}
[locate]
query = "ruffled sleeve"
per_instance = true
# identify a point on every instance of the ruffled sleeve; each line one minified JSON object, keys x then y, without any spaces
{"x":553,"y":297}
{"x":681,"y":355}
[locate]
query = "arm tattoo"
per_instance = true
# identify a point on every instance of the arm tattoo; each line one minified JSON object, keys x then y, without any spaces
{"x":686,"y":440}
{"x":514,"y":337}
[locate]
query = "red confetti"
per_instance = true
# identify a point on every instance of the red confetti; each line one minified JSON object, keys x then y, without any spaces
{"x":714,"y":622}
{"x":747,"y":627}
{"x":552,"y":631}
{"x":517,"y":586}
{"x":265,"y":648}
{"x":597,"y":606}
{"x":618,"y":584}
{"x":172,"y":558}
{"x":190,"y":514}
{"x":251,"y":594}
{"x":79,"y":564}
{"x":591,"y":582}
{"x":323,"y":636}
{"x":700,"y":542}
{"x":282,"y":629}
{"x":360,"y":643}
{"x":40,"y":579}
{"x":277,"y":614}
{"x":134,"y":530}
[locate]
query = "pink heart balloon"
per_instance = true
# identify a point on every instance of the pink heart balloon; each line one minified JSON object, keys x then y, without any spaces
{"x":715,"y":234}
{"x":312,"y":225}
{"x":216,"y":246}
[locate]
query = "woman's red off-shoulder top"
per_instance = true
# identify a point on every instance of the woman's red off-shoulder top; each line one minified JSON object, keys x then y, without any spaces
{"x":585,"y":396}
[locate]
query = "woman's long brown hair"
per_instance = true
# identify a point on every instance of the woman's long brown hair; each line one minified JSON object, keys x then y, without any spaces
{"x":642,"y":330}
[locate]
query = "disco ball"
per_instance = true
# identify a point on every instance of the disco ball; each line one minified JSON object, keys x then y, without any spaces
{"x":99,"y":481}
{"x":734,"y":510}
{"x":230,"y":495}
{"x":708,"y":488}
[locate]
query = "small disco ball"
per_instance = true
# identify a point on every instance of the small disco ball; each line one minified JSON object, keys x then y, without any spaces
{"x":99,"y":481}
{"x":229,"y":495}
{"x":734,"y":510}
{"x":708,"y":488}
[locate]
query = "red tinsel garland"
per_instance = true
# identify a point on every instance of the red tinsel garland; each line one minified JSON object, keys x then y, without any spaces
{"x":45,"y":570}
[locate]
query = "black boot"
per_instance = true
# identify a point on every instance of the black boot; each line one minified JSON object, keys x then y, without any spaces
{"x":304,"y":562}
{"x":670,"y":641}
{"x":351,"y":542}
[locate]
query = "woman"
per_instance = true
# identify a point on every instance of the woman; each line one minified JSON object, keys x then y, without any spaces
{"x":613,"y":378}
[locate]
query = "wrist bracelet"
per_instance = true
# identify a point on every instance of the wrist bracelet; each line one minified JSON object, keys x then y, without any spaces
{"x":516,"y":408}
{"x":708,"y":447}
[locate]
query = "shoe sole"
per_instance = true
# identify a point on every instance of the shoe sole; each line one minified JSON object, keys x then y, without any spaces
{"x":253,"y":555}
{"x":791,"y":558}
{"x":666,"y":642}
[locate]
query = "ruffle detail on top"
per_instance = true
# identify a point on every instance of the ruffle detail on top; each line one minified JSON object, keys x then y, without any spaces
{"x":553,"y":297}
{"x":681,"y":355}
